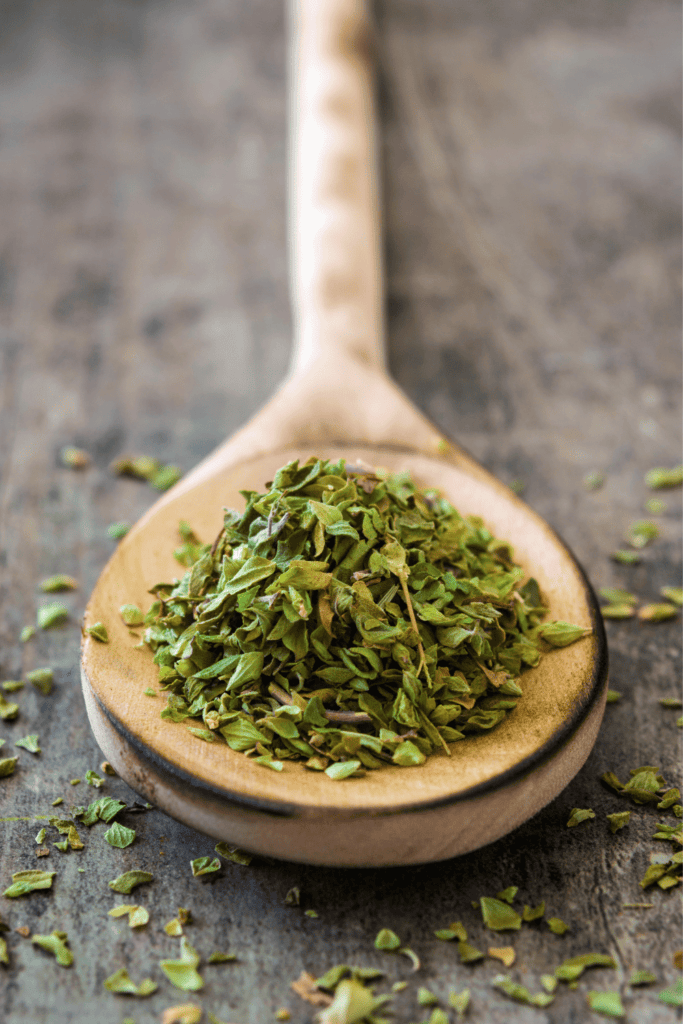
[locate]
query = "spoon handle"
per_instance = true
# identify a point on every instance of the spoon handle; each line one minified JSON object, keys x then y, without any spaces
{"x":335,"y":245}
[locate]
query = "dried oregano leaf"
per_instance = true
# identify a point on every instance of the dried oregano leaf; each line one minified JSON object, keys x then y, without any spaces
{"x":7,"y":766}
{"x":626,"y":557}
{"x":459,"y":1001}
{"x":533,"y":913}
{"x":54,"y":584}
{"x":118,"y":530}
{"x":353,"y":1002}
{"x":579,"y":814}
{"x":574,"y":967}
{"x":657,"y":612}
{"x":520,"y":993}
{"x":347,"y":619}
{"x":183,"y":973}
{"x":614,"y":595}
{"x":42,"y":679}
{"x":663,"y":477}
{"x":425,"y":997}
{"x":673,"y":594}
{"x":131,"y":615}
{"x":24,"y":882}
{"x":98,"y":631}
{"x":137,"y":915}
{"x":53,"y":614}
{"x":557,"y":925}
{"x":498,"y":915}
{"x":468,"y":953}
{"x":508,"y":894}
{"x":204,"y":866}
{"x":27,"y":633}
{"x":121,"y":982}
{"x":55,"y":944}
{"x":119,"y":836}
{"x":608,"y":1003}
{"x":93,"y":779}
{"x":386,"y":939}
{"x":642,"y":533}
{"x":29,"y":743}
{"x":188,"y":1013}
{"x":505,"y":954}
{"x":217,"y":957}
{"x":618,"y":820}
{"x":234,"y":854}
{"x":673,"y":995}
{"x":74,"y":458}
{"x":613,"y":696}
{"x":642,"y":978}
{"x":126,"y":882}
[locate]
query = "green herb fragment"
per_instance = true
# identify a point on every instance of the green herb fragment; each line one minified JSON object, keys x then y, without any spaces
{"x":517,"y":486}
{"x":204,"y":866}
{"x":221,"y":958}
{"x":104,"y":809}
{"x":54,"y":584}
{"x":468,"y":954}
{"x":399,"y":986}
{"x":643,"y":785}
{"x":561,"y":634}
{"x":662,"y":477}
{"x":657,"y":612}
{"x":149,"y":692}
{"x":119,"y":836}
{"x":40,"y":837}
{"x":508,"y":894}
{"x":410,"y":953}
{"x":670,"y":702}
{"x":98,"y":631}
{"x":42,"y":679}
{"x":642,"y":533}
{"x":618,"y":820}
{"x":679,"y":722}
{"x":499,"y":916}
{"x":126,"y":882}
{"x":642,"y":978}
{"x":234,"y":854}
{"x":574,"y":967}
{"x":613,"y":595}
{"x":121,"y":983}
{"x":437,"y":1017}
{"x":671,"y":797}
{"x":118,"y":530}
{"x":548,"y":982}
{"x":186,"y":1014}
{"x":29,"y":743}
{"x":613,"y":696}
{"x":74,"y":458}
{"x":454,"y":931}
{"x":610,"y":779}
{"x":27,"y":633}
{"x":142,"y":467}
{"x":459,"y":1001}
{"x":58,"y":801}
{"x":519,"y":992}
{"x":608,"y":1003}
{"x":8,"y":710}
{"x":7,"y":766}
{"x":50,"y":615}
{"x":173,"y":927}
{"x":533,"y":913}
{"x":655,"y":506}
{"x":370,"y":623}
{"x":557,"y":925}
{"x":386,"y":939}
{"x":74,"y":782}
{"x":13,"y":685}
{"x":673,"y":594}
{"x":164,"y":477}
{"x":673,"y":995}
{"x":55,"y":944}
{"x":137,"y":915}
{"x":617,"y":611}
{"x":426,"y":998}
{"x":131,"y":615}
{"x":579,"y":814}
{"x":626,"y":557}
{"x":62,"y":845}
{"x":293,"y":897}
{"x":93,"y":779}
{"x":24,"y":882}
{"x":353,"y":1002}
{"x":183,"y":972}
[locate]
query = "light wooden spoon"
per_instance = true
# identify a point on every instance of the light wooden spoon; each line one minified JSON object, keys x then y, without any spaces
{"x":339,"y":402}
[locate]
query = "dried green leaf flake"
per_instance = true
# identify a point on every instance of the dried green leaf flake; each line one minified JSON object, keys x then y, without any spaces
{"x":660,"y":477}
{"x":7,"y":766}
{"x":642,"y":978}
{"x":426,"y":998}
{"x":13,"y":685}
{"x":594,"y":480}
{"x":42,"y":679}
{"x":56,"y":943}
{"x":353,"y":1002}
{"x":74,"y":458}
{"x":657,"y":612}
{"x":165,"y":477}
{"x":617,"y":611}
{"x":613,"y":696}
{"x":118,"y":530}
{"x":607,"y":1003}
{"x":8,"y":709}
{"x":205,"y":866}
{"x":578,"y":815}
{"x":128,"y":881}
{"x":98,"y":631}
{"x":234,"y":854}
{"x":459,"y":1001}
{"x":508,"y":895}
{"x":119,"y":836}
{"x":24,"y":882}
{"x":574,"y":967}
{"x":561,"y":634}
{"x":93,"y":779}
{"x":40,"y":837}
{"x":27,"y":633}
{"x":557,"y":925}
{"x":217,"y":957}
{"x":533,"y":913}
{"x":469,"y":954}
{"x":387,"y":940}
{"x":137,"y":915}
{"x":121,"y":983}
{"x":183,"y":972}
{"x":499,"y":916}
{"x":131,"y":615}
{"x":673,"y":594}
{"x":626,"y":557}
{"x":673,"y":995}
{"x":618,"y":820}
{"x":50,"y":615}
{"x":55,"y":584}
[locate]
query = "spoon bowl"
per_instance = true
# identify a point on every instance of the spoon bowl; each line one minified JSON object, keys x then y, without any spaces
{"x":340,"y":403}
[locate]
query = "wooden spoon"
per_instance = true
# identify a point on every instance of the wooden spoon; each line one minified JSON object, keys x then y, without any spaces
{"x":339,"y":402}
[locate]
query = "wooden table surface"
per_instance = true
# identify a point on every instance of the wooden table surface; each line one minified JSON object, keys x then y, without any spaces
{"x":530,"y":163}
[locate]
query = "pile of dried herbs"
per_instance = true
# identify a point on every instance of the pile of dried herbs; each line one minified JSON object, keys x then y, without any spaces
{"x":349,"y":619}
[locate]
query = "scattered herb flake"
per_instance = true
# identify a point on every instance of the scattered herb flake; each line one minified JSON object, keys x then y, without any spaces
{"x":579,"y":814}
{"x":55,"y":944}
{"x":508,"y":894}
{"x":118,"y":530}
{"x":618,"y":820}
{"x":121,"y":983}
{"x":426,"y":998}
{"x":574,"y":967}
{"x":557,"y":925}
{"x":165,"y":477}
{"x":468,"y":953}
{"x":660,"y":477}
{"x":98,"y":631}
{"x":293,"y":897}
{"x":673,"y":594}
{"x":27,"y":633}
{"x":126,"y":882}
{"x":131,"y":615}
{"x":13,"y":685}
{"x":642,"y":978}
{"x":670,"y":702}
{"x":626,"y":557}
{"x":40,"y":837}
{"x":655,"y":506}
{"x":353,"y":1001}
{"x":617,"y":611}
{"x":221,"y":958}
{"x":137,"y":915}
{"x":93,"y":779}
{"x":204,"y":866}
{"x":119,"y":836}
{"x":55,"y":584}
{"x":183,"y":973}
{"x":459,"y":1001}
{"x":74,"y":458}
{"x":505,"y":954}
{"x":608,"y":1003}
{"x":42,"y":679}
{"x":642,"y":533}
{"x":593,"y":481}
{"x":24,"y":882}
{"x":387,"y":940}
{"x":50,"y":615}
{"x":673,"y":995}
{"x":7,"y":766}
{"x":613,"y":595}
{"x":657,"y":612}
{"x":499,"y":916}
{"x":8,"y":710}
{"x":188,"y":1013}
{"x":234,"y":854}
{"x":613,"y":696}
{"x":533,"y":913}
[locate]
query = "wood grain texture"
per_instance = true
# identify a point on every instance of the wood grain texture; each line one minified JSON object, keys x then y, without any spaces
{"x":530,"y":164}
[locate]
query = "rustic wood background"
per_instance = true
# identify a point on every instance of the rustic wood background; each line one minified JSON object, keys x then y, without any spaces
{"x":531,"y":175}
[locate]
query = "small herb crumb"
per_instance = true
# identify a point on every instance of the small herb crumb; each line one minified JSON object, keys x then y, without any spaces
{"x":642,"y":978}
{"x":149,"y":692}
{"x":660,"y":477}
{"x":55,"y":944}
{"x":121,"y":982}
{"x":8,"y":709}
{"x":42,"y":679}
{"x":50,"y":615}
{"x":557,"y":925}
{"x":459,"y":1001}
{"x":98,"y":631}
{"x":673,"y":594}
{"x":625,"y":557}
{"x":13,"y":685}
{"x":29,"y":743}
{"x":189,"y":1013}
{"x":126,"y":882}
{"x":613,"y":696}
{"x":55,"y":584}
{"x":234,"y":854}
{"x":579,"y":814}
{"x":204,"y":866}
{"x":118,"y":530}
{"x":618,"y":820}
{"x":505,"y":954}
{"x":642,"y":533}
{"x":7,"y":766}
{"x":657,"y":612}
{"x":74,"y":458}
{"x":119,"y":836}
{"x":282,"y":1014}
{"x":27,"y":633}
{"x":607,"y":1003}
{"x":426,"y":998}
{"x":131,"y":615}
{"x":58,"y":801}
{"x":655,"y":506}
